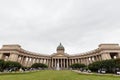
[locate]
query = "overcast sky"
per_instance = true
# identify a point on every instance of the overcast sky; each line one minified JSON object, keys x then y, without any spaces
{"x":40,"y":25}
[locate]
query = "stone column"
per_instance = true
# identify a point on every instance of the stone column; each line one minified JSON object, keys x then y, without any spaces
{"x":118,"y":55}
{"x":37,"y":61}
{"x":40,"y":60}
{"x":84,"y":60}
{"x":105,"y":56}
{"x":31,"y":62}
{"x":67,"y":62}
{"x":92,"y":58}
{"x":47,"y":62}
{"x":34,"y":60}
{"x":95,"y":57}
{"x":80,"y":60}
{"x":1,"y":55}
{"x":64,"y":63}
{"x":27,"y":62}
{"x":61,"y":63}
{"x":98,"y":58}
{"x":18,"y":60}
{"x":43,"y":60}
{"x":55,"y":62}
{"x":87,"y":62}
{"x":21,"y":59}
{"x":13,"y":57}
{"x":24,"y":61}
{"x":52,"y":63}
{"x":72,"y":61}
{"x":75,"y":61}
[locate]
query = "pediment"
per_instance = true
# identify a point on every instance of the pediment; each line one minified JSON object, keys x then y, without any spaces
{"x":60,"y":55}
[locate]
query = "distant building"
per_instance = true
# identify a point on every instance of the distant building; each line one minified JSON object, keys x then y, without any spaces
{"x":26,"y":58}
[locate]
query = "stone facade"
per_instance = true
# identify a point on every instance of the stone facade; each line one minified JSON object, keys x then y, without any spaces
{"x":27,"y":58}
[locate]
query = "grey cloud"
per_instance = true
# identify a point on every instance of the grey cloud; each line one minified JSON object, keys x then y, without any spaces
{"x":40,"y":25}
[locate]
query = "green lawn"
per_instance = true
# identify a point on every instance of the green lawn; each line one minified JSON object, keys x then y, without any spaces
{"x":56,"y":75}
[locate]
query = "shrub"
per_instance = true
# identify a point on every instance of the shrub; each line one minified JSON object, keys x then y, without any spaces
{"x":12,"y":65}
{"x":77,"y":66}
{"x":39,"y":65}
{"x":108,"y":65}
{"x":2,"y":62}
{"x":117,"y":62}
{"x":95,"y":66}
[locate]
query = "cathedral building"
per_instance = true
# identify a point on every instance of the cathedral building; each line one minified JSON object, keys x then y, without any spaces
{"x":26,"y":58}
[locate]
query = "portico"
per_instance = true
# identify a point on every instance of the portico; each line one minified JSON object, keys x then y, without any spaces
{"x":60,"y":58}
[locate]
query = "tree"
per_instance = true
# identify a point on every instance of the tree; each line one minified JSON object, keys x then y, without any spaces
{"x":10,"y":65}
{"x":39,"y":65}
{"x":108,"y":65}
{"x":77,"y":66}
{"x":1,"y":64}
{"x":117,"y":62}
{"x":95,"y":66}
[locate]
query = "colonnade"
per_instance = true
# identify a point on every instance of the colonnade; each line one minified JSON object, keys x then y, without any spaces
{"x":26,"y":58}
{"x":28,"y":61}
{"x":63,"y":62}
{"x":52,"y":62}
{"x":85,"y":60}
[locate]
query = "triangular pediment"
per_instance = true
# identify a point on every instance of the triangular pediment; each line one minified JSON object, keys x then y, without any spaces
{"x":60,"y":55}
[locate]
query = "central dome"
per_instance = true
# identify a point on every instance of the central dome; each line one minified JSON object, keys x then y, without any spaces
{"x":60,"y":47}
